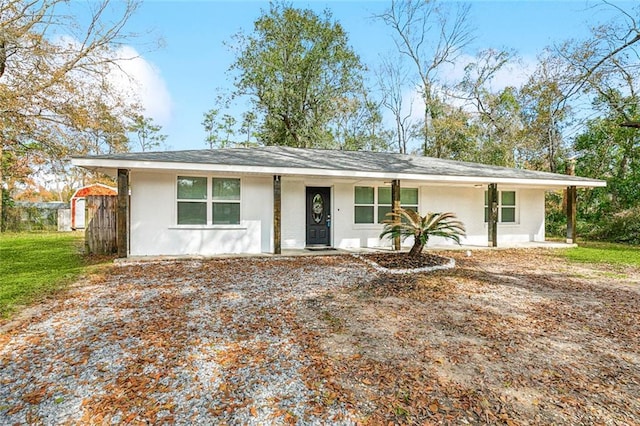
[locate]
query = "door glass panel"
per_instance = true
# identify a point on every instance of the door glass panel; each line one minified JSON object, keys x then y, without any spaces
{"x":317,"y":208}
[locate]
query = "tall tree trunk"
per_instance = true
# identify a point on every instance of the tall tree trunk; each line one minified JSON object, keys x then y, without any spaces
{"x":425,"y":145}
{"x":3,"y":56}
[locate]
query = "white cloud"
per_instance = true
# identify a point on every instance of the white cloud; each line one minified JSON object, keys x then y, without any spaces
{"x":140,"y":81}
{"x":515,"y":74}
{"x":134,"y":79}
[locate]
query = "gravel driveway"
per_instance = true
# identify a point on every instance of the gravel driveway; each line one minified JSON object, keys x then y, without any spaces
{"x":178,"y":342}
{"x":508,"y":337}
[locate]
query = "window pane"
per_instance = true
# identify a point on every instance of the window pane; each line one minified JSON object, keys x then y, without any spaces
{"x":364,"y":214}
{"x":190,"y":213}
{"x":508,"y":198}
{"x":384,"y":195}
{"x":226,"y":189}
{"x":486,"y":214}
{"x":486,"y":198}
{"x":364,"y":195}
{"x":382,"y":213}
{"x":192,"y":188}
{"x":508,"y":214}
{"x":409,"y":196}
{"x":226,"y":213}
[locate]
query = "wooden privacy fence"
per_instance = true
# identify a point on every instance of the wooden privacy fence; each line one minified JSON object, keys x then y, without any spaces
{"x":100,"y":219}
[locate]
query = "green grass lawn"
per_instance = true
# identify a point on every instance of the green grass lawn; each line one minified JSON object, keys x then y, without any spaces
{"x":608,"y":253}
{"x":36,"y":265}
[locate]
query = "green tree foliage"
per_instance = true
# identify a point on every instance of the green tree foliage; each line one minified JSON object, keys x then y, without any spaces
{"x":611,"y":152}
{"x":498,"y":124}
{"x":212,"y":127}
{"x":227,"y":125}
{"x":408,"y":223}
{"x":454,"y":129}
{"x":299,"y":71}
{"x":52,"y":72}
{"x":55,"y":97}
{"x":358,"y":126}
{"x":145,"y":135}
{"x":604,"y":68}
{"x":248,"y":127}
{"x":220,"y":128}
{"x":545,"y":112}
{"x":620,"y":227}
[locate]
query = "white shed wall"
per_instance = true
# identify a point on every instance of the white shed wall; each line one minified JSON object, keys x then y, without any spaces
{"x":153,"y":229}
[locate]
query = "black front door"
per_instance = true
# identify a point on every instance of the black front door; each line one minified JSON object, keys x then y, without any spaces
{"x":318,"y":216}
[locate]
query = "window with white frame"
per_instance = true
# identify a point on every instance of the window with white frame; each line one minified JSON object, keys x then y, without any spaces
{"x":365,"y":205}
{"x":506,"y":206}
{"x":226,"y":201}
{"x":373,"y":203}
{"x":208,"y":201}
{"x":192,"y":200}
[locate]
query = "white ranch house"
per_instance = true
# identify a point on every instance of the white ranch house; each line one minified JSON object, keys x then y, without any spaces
{"x":263,"y":200}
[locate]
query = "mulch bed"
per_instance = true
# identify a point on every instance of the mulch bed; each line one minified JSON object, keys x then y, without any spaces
{"x":404,"y":261}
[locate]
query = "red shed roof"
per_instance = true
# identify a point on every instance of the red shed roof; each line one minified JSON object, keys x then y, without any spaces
{"x":95,"y":189}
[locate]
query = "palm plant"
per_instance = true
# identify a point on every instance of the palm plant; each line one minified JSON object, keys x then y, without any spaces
{"x":408,"y":223}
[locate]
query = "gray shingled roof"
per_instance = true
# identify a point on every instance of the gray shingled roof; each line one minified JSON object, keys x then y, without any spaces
{"x":286,"y":157}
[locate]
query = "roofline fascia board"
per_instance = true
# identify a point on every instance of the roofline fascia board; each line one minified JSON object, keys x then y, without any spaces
{"x":293,"y":171}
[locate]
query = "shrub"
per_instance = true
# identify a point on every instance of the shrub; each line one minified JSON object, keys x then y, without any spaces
{"x":622,"y":227}
{"x":556,"y":217}
{"x":408,"y":223}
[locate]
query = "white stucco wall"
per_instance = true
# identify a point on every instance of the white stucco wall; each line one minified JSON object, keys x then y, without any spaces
{"x":468,"y":205}
{"x":348,"y":233}
{"x":293,"y":213}
{"x":153,"y":229}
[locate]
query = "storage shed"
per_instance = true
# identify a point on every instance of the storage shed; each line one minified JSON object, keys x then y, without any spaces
{"x":78,"y":202}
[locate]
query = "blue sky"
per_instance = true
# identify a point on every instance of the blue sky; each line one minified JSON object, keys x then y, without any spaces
{"x":184,"y":75}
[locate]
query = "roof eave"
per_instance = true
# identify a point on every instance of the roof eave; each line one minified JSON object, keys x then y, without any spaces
{"x":110,"y":167}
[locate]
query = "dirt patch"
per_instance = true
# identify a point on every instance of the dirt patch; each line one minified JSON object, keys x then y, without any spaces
{"x":506,"y":337}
